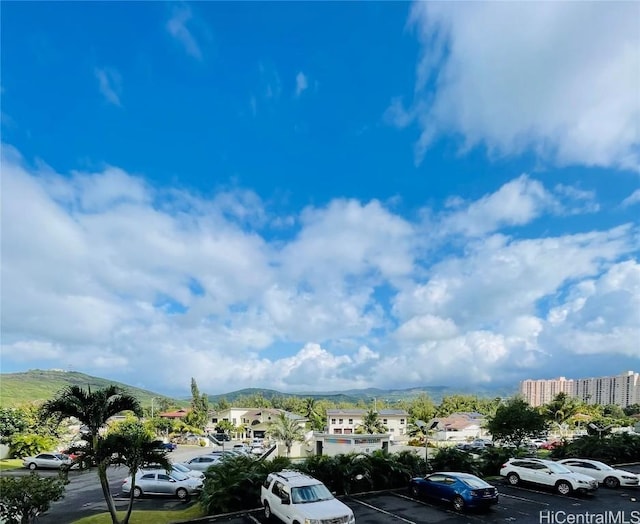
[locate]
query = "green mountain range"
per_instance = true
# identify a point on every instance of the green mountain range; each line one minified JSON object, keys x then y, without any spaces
{"x":38,"y":385}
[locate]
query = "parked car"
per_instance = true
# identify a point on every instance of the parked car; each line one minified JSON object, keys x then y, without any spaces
{"x":257,"y":450}
{"x":242,"y":448}
{"x":168,"y":446}
{"x":179,"y":469}
{"x":48,"y":461}
{"x":604,"y":474}
{"x":222,"y":437}
{"x":461,"y":490}
{"x":547,"y":473}
{"x":157,"y":482}
{"x":203,"y":462}
{"x":292,"y":496}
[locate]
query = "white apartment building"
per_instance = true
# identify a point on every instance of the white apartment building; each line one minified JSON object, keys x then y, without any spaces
{"x":621,"y":390}
{"x":346,"y":421}
{"x":252,"y":422}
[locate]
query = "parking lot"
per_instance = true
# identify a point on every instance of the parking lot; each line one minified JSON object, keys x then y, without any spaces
{"x":517,"y":504}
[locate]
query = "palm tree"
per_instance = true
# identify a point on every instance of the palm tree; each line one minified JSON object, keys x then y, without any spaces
{"x":133,"y":447}
{"x":93,"y":409}
{"x":371,"y":424}
{"x":287,"y":430}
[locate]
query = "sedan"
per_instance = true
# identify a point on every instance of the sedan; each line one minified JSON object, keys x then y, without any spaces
{"x":604,"y":474}
{"x":462,"y":490}
{"x":162,"y":483}
{"x":203,"y":462}
{"x":48,"y":460}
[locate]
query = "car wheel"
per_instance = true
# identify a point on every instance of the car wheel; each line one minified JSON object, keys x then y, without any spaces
{"x":415,"y":493}
{"x":513,"y":479}
{"x":137,"y":492}
{"x":33,"y":466}
{"x":182,"y":494}
{"x":458,"y":503}
{"x":563,"y":487}
{"x":611,"y":482}
{"x":267,"y":512}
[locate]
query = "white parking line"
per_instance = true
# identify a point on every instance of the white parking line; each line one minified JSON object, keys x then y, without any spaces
{"x":384,"y":511}
{"x":439,"y":508}
{"x":531,"y":490}
{"x":251,"y":517}
{"x":522,"y":498}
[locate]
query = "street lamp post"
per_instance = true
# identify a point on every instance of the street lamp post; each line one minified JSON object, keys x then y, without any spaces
{"x":425,"y":429}
{"x":599,"y":429}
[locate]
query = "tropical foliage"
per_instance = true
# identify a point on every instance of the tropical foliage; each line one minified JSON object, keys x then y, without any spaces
{"x":93,"y":409}
{"x":286,"y":430}
{"x":515,"y":421}
{"x":612,"y":449}
{"x":371,"y":424}
{"x":24,"y":498}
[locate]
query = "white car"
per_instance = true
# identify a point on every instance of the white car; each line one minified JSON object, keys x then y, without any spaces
{"x":292,"y":496}
{"x":179,"y":469}
{"x":158,"y":482}
{"x":547,"y":473}
{"x":48,"y":460}
{"x":610,"y":477}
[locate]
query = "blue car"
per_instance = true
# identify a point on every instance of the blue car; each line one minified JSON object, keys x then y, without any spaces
{"x":462,"y":490}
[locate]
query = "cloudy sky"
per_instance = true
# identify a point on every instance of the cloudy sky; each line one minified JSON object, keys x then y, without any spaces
{"x":321,"y":196}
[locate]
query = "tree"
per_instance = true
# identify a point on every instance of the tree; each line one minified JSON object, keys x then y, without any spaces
{"x":561,"y":408}
{"x":371,"y":424}
{"x":515,"y":421}
{"x":199,"y":414}
{"x":24,"y":498}
{"x":632,"y":409}
{"x":93,"y":409}
{"x":130,"y":444}
{"x":422,"y":407}
{"x":311,"y":410}
{"x":286,"y":430}
{"x":12,"y":421}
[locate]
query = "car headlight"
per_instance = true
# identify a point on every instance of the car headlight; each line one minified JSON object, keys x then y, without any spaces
{"x":583,"y":482}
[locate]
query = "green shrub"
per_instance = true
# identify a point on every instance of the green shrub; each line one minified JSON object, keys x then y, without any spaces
{"x":27,"y":496}
{"x":29,"y":444}
{"x":452,"y":459}
{"x":492,"y":458}
{"x":612,"y":449}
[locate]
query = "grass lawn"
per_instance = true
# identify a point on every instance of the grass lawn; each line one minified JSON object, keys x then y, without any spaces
{"x":148,"y":517}
{"x":10,"y":464}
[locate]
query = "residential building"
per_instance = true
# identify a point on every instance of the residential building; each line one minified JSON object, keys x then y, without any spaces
{"x":459,"y":427}
{"x":621,"y":390}
{"x":347,"y":421}
{"x":175,"y":415}
{"x":252,"y":422}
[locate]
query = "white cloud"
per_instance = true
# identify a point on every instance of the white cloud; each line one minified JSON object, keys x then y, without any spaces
{"x":301,"y":83}
{"x":108,"y":270}
{"x":632,"y":199}
{"x":177,"y":28}
{"x":110,"y":84}
{"x":558,"y":78}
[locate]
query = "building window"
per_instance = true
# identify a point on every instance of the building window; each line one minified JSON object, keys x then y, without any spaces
{"x":333,"y":420}
{"x":350,"y":421}
{"x":392,"y":430}
{"x":338,"y":431}
{"x":234,"y":421}
{"x":340,"y":421}
{"x":214,"y":420}
{"x":401,"y":421}
{"x":348,"y":431}
{"x":384,"y":420}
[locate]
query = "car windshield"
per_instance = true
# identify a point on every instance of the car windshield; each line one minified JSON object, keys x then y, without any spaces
{"x":178,"y":476}
{"x":313,"y":493}
{"x":181,"y":468}
{"x":558,"y":468}
{"x":60,"y":456}
{"x":474,"y":482}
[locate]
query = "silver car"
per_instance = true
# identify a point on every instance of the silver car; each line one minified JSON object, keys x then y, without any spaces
{"x":159,"y":482}
{"x":203,"y":462}
{"x":178,"y":468}
{"x":48,"y":460}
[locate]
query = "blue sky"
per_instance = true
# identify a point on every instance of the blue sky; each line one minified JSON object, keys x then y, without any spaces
{"x":320,"y":196}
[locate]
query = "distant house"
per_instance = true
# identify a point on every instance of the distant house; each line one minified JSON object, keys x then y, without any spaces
{"x":346,"y":421}
{"x":460,"y":426}
{"x":175,"y":415}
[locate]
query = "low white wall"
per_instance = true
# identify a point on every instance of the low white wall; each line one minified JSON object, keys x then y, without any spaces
{"x":4,"y":451}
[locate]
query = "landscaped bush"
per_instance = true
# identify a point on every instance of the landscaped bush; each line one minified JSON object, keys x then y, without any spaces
{"x":612,"y":449}
{"x":452,"y":459}
{"x":492,"y":458}
{"x":29,"y":445}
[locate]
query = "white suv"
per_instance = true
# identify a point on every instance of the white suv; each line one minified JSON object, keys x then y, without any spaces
{"x":296,"y":498}
{"x":547,"y":473}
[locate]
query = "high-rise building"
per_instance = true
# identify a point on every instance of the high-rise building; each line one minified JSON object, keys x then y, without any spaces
{"x":621,"y":390}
